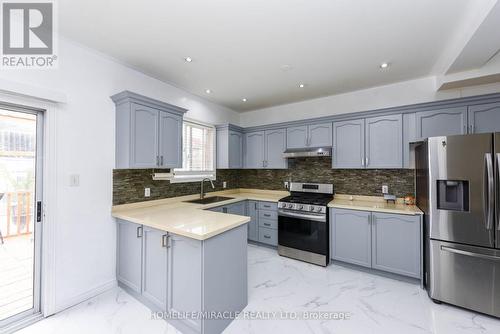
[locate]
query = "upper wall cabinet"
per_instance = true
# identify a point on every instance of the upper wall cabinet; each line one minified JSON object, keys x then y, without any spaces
{"x":264,"y":149}
{"x":229,"y":146}
{"x":148,"y":132}
{"x":312,"y":135}
{"x":349,"y":144}
{"x":384,"y":141}
{"x":442,"y":122}
{"x":484,"y":118}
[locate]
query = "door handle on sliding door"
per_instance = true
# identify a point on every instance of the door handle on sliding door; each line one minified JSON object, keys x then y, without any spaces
{"x":488,"y":191}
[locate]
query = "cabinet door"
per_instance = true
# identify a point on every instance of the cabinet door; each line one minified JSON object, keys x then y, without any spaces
{"x":409,"y":135}
{"x":296,"y":137}
{"x":237,"y":208}
{"x":320,"y":135}
{"x":396,"y":244}
{"x":184,"y":293}
{"x":129,"y":254}
{"x":253,"y":230}
{"x":144,"y":137}
{"x":484,"y":118}
{"x":384,"y":142}
{"x":349,"y":144}
{"x":351,"y":236}
{"x":170,"y":140}
{"x":154,"y":268}
{"x":254,"y":149}
{"x":235,"y":149}
{"x":275,"y":146}
{"x":442,"y":122}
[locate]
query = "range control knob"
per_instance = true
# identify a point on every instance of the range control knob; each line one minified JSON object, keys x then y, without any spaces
{"x":290,"y":205}
{"x":300,"y":207}
{"x":319,"y":209}
{"x":311,"y":208}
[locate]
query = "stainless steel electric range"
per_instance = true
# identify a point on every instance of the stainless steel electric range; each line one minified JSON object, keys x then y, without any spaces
{"x":303,"y":224}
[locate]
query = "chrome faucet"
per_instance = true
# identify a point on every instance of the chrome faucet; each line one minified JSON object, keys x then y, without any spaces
{"x":202,"y":193}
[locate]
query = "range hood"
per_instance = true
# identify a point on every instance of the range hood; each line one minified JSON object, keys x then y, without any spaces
{"x":325,"y":151}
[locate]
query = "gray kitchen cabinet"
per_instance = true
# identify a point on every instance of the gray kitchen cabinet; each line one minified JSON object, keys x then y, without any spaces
{"x":144,"y":136}
{"x":229,"y":147}
{"x":185,"y":278}
{"x":238,"y":208}
{"x":275,"y":145}
{"x":129,"y":255}
{"x":409,"y":136}
{"x":254,"y":149}
{"x":384,"y":141}
{"x":350,"y":238}
{"x":268,"y":236}
{"x":312,"y":135}
{"x":441,"y":122}
{"x":320,"y":134}
{"x":170,"y":140}
{"x":253,"y":225}
{"x":148,"y":132}
{"x":154,"y":268}
{"x":349,"y":144}
{"x":484,"y":118}
{"x":297,"y":136}
{"x":396,"y":244}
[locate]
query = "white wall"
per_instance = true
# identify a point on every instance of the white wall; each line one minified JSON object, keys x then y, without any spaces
{"x":398,"y":94}
{"x":85,"y":234}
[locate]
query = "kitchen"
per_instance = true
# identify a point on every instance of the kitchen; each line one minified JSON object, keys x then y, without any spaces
{"x":354,"y":188}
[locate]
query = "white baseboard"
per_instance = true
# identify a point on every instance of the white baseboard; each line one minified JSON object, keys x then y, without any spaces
{"x":97,"y":290}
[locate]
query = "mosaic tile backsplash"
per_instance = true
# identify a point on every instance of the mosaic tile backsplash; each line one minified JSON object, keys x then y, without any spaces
{"x":129,"y":184}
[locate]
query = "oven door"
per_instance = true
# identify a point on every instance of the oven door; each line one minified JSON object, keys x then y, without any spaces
{"x":305,"y":232}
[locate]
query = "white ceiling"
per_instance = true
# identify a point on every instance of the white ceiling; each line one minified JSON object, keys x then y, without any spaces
{"x":239,"y":47}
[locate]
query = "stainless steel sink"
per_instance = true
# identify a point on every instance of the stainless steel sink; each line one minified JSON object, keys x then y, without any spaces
{"x":209,"y":200}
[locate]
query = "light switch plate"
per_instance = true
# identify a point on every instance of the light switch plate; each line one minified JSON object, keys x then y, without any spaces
{"x":224,"y":184}
{"x":74,"y":180}
{"x":147,"y":192}
{"x":385,"y":189}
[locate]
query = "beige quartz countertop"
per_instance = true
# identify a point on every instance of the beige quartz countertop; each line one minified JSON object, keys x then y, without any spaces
{"x":192,"y":220}
{"x":374,"y":204}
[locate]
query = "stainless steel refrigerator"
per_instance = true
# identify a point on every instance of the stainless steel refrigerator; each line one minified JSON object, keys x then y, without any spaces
{"x":458,"y":188}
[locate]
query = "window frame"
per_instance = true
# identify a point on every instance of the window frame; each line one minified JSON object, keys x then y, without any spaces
{"x":180,"y":176}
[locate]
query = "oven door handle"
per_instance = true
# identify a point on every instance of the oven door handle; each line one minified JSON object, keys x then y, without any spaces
{"x":316,"y":218}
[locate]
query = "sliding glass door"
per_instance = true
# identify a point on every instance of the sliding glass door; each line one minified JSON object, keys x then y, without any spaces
{"x":20,"y":196}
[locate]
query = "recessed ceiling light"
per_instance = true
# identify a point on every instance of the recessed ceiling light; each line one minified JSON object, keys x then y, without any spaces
{"x":188,"y":59}
{"x":244,"y":100}
{"x":384,"y":65}
{"x":301,"y":85}
{"x":208,"y":91}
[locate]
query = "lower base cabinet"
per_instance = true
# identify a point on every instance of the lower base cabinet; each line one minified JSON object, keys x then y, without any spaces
{"x":180,"y":275}
{"x":388,"y":242}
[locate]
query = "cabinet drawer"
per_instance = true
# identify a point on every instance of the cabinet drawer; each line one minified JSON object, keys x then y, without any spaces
{"x":268,"y":206}
{"x":268,"y":236}
{"x":267,"y":214}
{"x":267,"y":223}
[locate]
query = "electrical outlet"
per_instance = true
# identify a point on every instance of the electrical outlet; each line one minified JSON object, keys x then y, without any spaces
{"x":286,"y":184}
{"x":147,"y":192}
{"x":385,"y":189}
{"x":224,"y":185}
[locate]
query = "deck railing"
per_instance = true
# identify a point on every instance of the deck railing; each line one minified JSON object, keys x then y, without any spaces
{"x":16,"y":214}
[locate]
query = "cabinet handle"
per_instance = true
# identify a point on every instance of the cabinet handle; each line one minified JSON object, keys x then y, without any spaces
{"x":267,"y":215}
{"x":139,"y":232}
{"x":224,"y":210}
{"x":367,"y":162}
{"x":255,"y":205}
{"x":267,"y":236}
{"x":164,"y":240}
{"x":157,"y":160}
{"x":161,"y":160}
{"x":267,"y":224}
{"x":362,"y":162}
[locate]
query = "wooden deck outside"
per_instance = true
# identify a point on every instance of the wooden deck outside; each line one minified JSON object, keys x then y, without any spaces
{"x":16,"y":275}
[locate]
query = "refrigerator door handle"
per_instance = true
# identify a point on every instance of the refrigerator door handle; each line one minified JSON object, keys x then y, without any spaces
{"x":488,"y":191}
{"x":467,"y":253}
{"x":497,"y":196}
